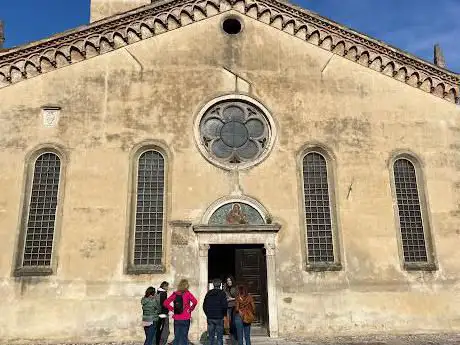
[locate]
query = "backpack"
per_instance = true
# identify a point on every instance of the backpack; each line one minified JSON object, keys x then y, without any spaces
{"x":178,"y":304}
{"x":158,"y":300}
{"x":247,"y":313}
{"x":248,"y":316}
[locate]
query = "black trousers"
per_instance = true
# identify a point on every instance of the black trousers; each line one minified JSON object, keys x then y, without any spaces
{"x":162,"y":331}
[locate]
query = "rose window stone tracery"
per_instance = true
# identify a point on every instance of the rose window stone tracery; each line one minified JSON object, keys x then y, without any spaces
{"x":234,"y":132}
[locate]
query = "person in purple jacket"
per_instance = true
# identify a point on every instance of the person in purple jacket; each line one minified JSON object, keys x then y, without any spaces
{"x":181,"y":303}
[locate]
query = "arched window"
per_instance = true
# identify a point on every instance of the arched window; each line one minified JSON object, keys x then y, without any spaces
{"x":413,"y":228}
{"x":36,"y":254}
{"x":320,"y":235}
{"x":148,"y":220}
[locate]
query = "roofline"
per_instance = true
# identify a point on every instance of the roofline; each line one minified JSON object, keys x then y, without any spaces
{"x":326,"y":23}
{"x":24,"y":49}
{"x":26,"y":61}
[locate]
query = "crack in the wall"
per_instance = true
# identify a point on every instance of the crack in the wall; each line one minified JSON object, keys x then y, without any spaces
{"x":350,"y":188}
{"x":137,"y":61}
{"x":241,"y":84}
{"x":326,"y":64}
{"x":237,"y":190}
{"x":106,"y":97}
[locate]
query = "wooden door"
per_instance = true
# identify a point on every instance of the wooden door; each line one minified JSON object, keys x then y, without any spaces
{"x":251,"y":269}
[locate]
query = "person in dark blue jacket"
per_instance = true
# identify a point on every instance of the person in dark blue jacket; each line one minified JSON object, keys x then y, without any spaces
{"x":215,"y":307}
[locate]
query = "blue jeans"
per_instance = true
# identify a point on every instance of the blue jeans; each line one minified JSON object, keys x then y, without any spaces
{"x":216,"y":326}
{"x":242,"y":329}
{"x":181,"y":328}
{"x":150,"y":334}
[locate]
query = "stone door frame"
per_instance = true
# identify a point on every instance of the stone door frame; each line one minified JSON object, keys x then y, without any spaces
{"x":240,"y":234}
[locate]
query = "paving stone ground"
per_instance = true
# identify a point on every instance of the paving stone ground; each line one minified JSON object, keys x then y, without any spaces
{"x":420,"y":339}
{"x":426,"y":339}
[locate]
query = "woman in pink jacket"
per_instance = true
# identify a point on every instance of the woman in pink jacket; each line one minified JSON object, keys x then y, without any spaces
{"x":183,"y":303}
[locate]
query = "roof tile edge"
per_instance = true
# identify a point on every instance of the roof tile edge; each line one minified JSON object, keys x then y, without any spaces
{"x":109,"y":34}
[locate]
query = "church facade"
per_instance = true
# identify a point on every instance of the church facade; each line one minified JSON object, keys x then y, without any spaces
{"x":195,"y":139}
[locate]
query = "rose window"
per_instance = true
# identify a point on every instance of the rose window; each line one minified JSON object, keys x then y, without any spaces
{"x":234,"y":132}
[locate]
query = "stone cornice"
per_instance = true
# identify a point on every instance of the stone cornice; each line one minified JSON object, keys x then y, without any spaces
{"x":236,"y":228}
{"x":119,"y":31}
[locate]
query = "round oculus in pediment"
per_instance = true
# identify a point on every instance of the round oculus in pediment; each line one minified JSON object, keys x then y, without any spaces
{"x":232,"y":26}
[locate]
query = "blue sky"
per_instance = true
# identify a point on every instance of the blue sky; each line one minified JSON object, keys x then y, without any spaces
{"x":412,"y":25}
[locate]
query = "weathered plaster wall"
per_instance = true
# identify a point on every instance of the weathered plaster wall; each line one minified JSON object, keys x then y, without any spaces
{"x":101,"y":9}
{"x":151,"y":91}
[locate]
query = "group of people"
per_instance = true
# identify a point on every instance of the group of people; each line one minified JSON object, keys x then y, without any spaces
{"x":227,"y":307}
{"x":155,"y":315}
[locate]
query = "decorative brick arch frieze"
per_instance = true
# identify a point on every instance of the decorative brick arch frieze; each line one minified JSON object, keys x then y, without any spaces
{"x":118,"y":31}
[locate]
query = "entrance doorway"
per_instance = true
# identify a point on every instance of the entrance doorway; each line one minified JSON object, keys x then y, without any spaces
{"x":247,"y":263}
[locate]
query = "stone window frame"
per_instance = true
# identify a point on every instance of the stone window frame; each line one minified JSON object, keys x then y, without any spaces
{"x":29,"y":169}
{"x":205,"y":106}
{"x":334,"y":214}
{"x":137,"y":151}
{"x":431,"y":264}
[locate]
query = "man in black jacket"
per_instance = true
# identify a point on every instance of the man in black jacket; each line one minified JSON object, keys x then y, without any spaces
{"x":215,"y":308}
{"x":162,"y":332}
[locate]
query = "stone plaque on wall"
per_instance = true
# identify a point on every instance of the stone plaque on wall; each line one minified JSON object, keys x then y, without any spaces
{"x":178,"y":238}
{"x":180,"y":233}
{"x":50,"y":116}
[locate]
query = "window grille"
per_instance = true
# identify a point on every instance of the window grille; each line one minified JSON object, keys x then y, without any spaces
{"x":148,"y":234}
{"x":410,"y":215}
{"x":320,"y":243}
{"x":42,"y":211}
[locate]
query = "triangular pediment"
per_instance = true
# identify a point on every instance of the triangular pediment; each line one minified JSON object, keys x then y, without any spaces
{"x":160,"y":17}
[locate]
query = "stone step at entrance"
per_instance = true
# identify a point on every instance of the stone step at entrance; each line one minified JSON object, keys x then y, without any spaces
{"x":259,"y":332}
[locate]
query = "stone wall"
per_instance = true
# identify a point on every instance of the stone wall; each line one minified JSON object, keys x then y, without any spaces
{"x":150,"y":92}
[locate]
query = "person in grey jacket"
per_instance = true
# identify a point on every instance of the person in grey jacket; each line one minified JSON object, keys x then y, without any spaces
{"x":150,"y":311}
{"x":231,"y":292}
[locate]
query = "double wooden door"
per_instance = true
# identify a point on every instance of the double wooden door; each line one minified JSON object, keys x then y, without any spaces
{"x":251,"y":269}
